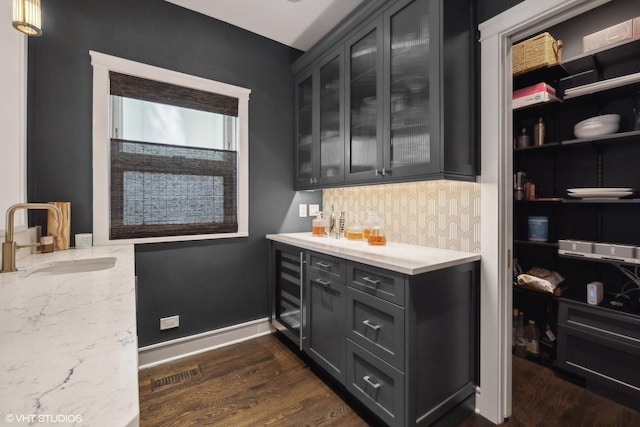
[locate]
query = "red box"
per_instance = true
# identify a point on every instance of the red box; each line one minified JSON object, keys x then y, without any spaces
{"x":537,"y":93}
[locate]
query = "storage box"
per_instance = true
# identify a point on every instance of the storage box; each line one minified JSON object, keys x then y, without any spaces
{"x":614,"y":251}
{"x":636,"y":27}
{"x":537,"y":52}
{"x":608,"y":36}
{"x":535,"y":94}
{"x":578,"y":246}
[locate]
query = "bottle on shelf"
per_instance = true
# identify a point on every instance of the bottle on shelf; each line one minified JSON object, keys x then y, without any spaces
{"x":523,"y":140}
{"x":532,"y":336}
{"x":538,"y":132}
{"x":548,"y":339}
{"x":521,"y":343}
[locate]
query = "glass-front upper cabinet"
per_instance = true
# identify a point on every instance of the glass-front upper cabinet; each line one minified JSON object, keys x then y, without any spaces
{"x":304,"y":131}
{"x":364,"y":96}
{"x":331,"y":119}
{"x":411,"y":122}
{"x":320,"y":124}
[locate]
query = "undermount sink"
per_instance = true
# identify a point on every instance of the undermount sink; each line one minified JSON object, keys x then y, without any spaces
{"x":84,"y":265}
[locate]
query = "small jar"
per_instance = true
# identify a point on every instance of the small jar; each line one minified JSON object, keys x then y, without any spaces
{"x":318,"y":226}
{"x":354,"y":230}
{"x":46,"y":244}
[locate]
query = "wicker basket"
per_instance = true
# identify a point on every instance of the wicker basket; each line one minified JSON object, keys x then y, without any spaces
{"x":537,"y":52}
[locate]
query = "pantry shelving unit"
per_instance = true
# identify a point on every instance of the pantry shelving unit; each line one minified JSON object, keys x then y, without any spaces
{"x":606,"y":81}
{"x":599,"y":82}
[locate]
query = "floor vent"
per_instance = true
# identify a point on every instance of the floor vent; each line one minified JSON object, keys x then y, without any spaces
{"x":176,"y":378}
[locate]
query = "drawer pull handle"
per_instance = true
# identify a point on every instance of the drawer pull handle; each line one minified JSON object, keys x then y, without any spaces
{"x":323,"y":265}
{"x":322,"y":282}
{"x":367,"y":379}
{"x":368,"y":323}
{"x":374,"y":282}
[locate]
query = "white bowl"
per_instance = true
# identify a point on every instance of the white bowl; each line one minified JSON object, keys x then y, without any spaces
{"x":597,"y":126}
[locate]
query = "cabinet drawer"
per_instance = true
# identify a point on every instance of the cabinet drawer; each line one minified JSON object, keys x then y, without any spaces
{"x":326,"y":265}
{"x":376,"y":325}
{"x":381,"y":283}
{"x":600,"y":359}
{"x":376,"y":384}
{"x":599,"y":321}
{"x":327,"y":281}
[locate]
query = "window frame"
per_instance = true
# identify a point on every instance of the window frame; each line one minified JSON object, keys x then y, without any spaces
{"x":102,"y":64}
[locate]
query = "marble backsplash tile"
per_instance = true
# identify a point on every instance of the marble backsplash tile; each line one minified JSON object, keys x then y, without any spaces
{"x":441,"y":214}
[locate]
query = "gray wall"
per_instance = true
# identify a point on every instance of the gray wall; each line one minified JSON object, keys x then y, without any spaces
{"x":212,"y":283}
{"x":490,"y":8}
{"x":571,"y":32}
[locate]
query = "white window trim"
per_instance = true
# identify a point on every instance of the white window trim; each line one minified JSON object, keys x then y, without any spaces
{"x":102,"y":64}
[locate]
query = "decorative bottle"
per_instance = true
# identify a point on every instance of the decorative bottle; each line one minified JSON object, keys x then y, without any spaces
{"x":318,"y":227}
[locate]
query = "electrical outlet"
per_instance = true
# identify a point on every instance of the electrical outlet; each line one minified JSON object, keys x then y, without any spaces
{"x":313,"y":210}
{"x":302,"y":210}
{"x":169,"y":322}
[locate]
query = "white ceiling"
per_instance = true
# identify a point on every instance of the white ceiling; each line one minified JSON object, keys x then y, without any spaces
{"x":296,"y":23}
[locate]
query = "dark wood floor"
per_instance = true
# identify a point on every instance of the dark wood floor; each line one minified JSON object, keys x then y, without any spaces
{"x":262,"y":382}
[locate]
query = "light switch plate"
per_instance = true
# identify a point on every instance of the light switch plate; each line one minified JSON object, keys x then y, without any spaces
{"x":302,"y":210}
{"x":313,"y":210}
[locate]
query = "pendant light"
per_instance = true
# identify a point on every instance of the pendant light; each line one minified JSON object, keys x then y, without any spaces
{"x":27,"y":17}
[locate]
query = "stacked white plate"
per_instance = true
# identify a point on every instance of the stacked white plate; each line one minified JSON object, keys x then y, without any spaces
{"x":600,"y":192}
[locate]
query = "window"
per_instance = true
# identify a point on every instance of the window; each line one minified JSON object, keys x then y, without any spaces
{"x":170,"y":155}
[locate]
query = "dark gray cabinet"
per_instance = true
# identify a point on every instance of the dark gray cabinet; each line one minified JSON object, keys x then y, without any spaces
{"x":412,"y":342}
{"x":405,"y":346}
{"x":320,"y":123}
{"x":602,"y":346}
{"x":409,"y":98}
{"x":326,"y":307}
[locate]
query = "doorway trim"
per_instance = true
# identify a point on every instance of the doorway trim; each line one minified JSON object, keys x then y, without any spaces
{"x":493,"y":397}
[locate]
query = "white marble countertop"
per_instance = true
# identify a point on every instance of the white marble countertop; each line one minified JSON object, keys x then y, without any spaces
{"x":69,"y":342}
{"x":400,"y":257}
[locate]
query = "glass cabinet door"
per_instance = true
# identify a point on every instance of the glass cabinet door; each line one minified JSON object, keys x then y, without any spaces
{"x":409,"y":123}
{"x":304,"y":133}
{"x":364,"y":101}
{"x":331,"y":122}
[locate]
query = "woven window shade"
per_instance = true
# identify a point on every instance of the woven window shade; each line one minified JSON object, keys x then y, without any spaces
{"x":167,"y":190}
{"x":166,"y":93}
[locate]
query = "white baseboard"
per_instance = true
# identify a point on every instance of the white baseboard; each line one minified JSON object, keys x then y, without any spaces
{"x":157,"y":354}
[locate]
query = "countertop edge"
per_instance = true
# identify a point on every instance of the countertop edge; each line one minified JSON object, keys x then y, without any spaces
{"x":456,"y":257}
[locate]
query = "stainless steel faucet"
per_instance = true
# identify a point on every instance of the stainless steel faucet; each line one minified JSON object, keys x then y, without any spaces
{"x":9,"y":247}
